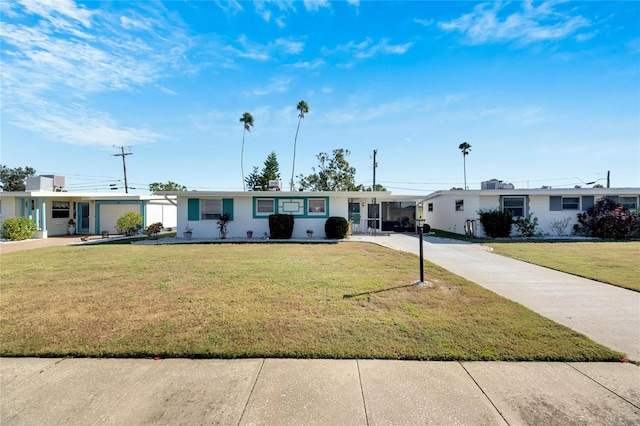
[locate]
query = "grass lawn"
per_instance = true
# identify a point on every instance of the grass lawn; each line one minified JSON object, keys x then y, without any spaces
{"x":609,"y":262}
{"x":346,"y":300}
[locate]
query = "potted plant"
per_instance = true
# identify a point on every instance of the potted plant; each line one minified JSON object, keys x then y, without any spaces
{"x":187,"y":233}
{"x":309,"y":233}
{"x":249,"y":233}
{"x":222,"y":225}
{"x":72,"y":227}
{"x":154,"y":229}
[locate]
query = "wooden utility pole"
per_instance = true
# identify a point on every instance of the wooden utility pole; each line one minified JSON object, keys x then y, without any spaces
{"x":124,"y":165}
{"x":375,"y":206}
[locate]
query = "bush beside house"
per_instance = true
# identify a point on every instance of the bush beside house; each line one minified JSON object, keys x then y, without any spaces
{"x":336,"y":227}
{"x":129,"y":224}
{"x":18,"y":229}
{"x":496,"y":223}
{"x":608,"y":219}
{"x":281,"y":226}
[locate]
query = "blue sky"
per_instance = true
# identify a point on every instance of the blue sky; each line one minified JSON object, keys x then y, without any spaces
{"x":546,"y":93}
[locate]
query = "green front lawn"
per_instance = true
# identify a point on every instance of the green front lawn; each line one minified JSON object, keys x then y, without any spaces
{"x":347,"y":300}
{"x":609,"y":262}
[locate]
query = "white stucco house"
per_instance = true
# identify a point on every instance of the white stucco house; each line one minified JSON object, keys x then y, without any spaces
{"x":200,"y":210}
{"x":452,"y":210}
{"x":93,"y":213}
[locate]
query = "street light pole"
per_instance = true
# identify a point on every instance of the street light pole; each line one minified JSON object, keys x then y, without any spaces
{"x":420,"y":222}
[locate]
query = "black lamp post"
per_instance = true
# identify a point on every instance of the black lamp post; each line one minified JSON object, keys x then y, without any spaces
{"x":420,"y":223}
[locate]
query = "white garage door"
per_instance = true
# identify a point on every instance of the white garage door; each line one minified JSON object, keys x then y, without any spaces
{"x":110,"y":213}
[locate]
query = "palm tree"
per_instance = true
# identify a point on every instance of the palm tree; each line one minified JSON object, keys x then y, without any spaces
{"x":465,"y":148}
{"x":303,"y":107}
{"x":247,"y":119}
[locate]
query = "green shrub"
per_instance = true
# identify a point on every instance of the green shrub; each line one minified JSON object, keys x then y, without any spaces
{"x":129,"y":223}
{"x":496,"y":223}
{"x":527,"y":226}
{"x":336,"y":228}
{"x":426,"y":228}
{"x":281,"y":226}
{"x":18,"y":228}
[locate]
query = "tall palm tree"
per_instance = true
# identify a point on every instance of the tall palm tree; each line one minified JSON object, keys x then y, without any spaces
{"x":465,"y":148}
{"x":247,"y":119}
{"x":303,"y":107}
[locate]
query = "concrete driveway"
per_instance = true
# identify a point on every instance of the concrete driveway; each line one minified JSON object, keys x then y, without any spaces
{"x":607,"y":314}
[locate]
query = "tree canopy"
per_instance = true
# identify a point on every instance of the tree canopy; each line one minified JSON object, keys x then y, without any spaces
{"x":259,"y":181}
{"x":15,"y":179}
{"x":333,"y":174}
{"x":169,"y":186}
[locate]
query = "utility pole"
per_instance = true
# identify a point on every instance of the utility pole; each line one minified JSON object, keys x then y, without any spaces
{"x":608,"y":178}
{"x":375,"y":152}
{"x":375,"y":205}
{"x":124,"y":165}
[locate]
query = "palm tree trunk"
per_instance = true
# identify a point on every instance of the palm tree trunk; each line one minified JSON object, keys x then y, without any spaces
{"x":295,"y":142}
{"x":464,"y":161}
{"x":242,"y":159}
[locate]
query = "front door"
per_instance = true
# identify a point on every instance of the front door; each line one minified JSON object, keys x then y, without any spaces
{"x":373,"y":216}
{"x":83,"y":218}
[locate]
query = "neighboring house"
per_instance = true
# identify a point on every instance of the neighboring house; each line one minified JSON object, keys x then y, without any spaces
{"x":93,"y":213}
{"x":450,"y":210}
{"x":200,"y":210}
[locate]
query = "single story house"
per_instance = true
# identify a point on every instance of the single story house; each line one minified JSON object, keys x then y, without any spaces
{"x":93,"y":213}
{"x":454,"y":210}
{"x":250,"y":210}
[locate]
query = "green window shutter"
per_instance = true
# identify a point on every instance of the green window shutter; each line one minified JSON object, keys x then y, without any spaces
{"x":227,"y":206}
{"x":193,"y":209}
{"x":555,"y":203}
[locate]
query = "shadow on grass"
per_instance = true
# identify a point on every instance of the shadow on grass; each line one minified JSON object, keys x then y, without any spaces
{"x":366,"y":293}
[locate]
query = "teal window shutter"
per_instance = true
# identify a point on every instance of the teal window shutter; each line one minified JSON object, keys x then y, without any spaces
{"x":555,"y":203}
{"x":193,"y":209}
{"x":227,"y":206}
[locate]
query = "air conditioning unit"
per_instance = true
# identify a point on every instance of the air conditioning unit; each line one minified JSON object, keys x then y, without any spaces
{"x":496,"y":184}
{"x":275,"y":185}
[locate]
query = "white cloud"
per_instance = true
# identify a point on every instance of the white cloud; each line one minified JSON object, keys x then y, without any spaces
{"x":56,"y":11}
{"x":77,"y":125}
{"x":230,"y":7}
{"x":276,"y":86}
{"x":52,"y":68}
{"x":315,"y":5}
{"x":491,"y":23}
{"x":355,"y":114}
{"x":316,"y":63}
{"x":367,"y":49}
{"x":263,"y":52}
{"x":424,"y":22}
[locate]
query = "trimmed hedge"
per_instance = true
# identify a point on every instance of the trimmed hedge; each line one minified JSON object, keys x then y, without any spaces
{"x":336,"y":228}
{"x":496,"y":223}
{"x":281,"y":226}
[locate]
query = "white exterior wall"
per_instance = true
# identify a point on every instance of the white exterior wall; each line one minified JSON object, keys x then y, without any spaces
{"x":244,"y":221}
{"x":444,"y":215}
{"x":539,"y":207}
{"x":161,"y":211}
{"x":110,"y":213}
{"x":8,"y":208}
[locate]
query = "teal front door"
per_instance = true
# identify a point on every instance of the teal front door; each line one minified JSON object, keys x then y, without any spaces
{"x":83,"y":218}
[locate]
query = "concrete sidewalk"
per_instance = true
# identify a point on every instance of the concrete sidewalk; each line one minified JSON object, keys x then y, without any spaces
{"x":607,"y":314}
{"x":324,"y":392}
